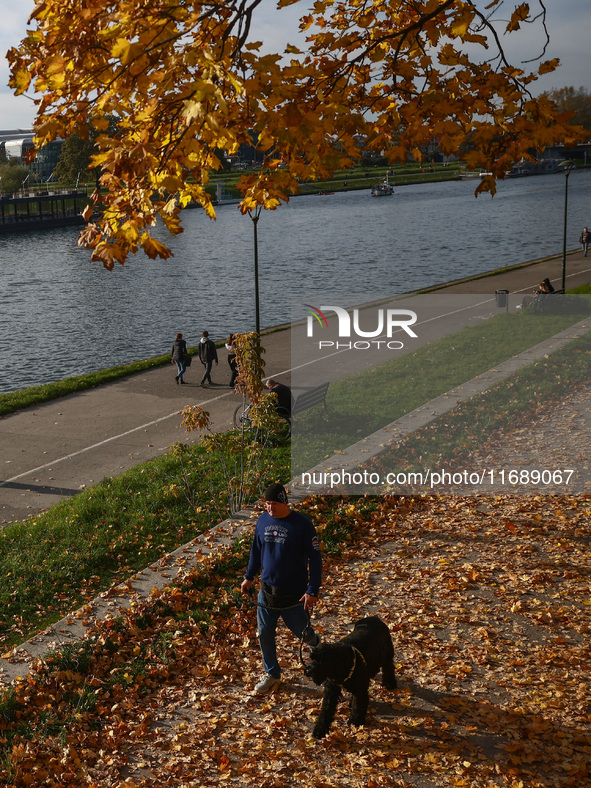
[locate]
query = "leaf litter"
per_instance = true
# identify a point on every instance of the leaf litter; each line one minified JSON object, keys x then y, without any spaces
{"x":488,"y":603}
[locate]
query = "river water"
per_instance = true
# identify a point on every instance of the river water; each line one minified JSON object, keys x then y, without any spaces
{"x":62,"y":315}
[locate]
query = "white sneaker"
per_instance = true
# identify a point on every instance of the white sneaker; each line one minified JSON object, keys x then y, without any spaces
{"x":266,"y":684}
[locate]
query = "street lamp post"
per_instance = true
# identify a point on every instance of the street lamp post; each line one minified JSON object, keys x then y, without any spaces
{"x":567,"y":167}
{"x":255,"y":215}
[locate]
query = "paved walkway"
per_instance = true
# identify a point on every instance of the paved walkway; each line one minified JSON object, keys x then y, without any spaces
{"x":54,"y":450}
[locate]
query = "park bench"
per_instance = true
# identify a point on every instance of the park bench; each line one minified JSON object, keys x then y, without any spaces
{"x":304,"y":401}
{"x":543,"y":301}
{"x":309,"y":398}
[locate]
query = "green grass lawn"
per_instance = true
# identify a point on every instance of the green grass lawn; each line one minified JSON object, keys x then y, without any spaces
{"x":52,"y":563}
{"x":509,"y":405}
{"x":582,"y":290}
{"x":24,"y":398}
{"x":362,"y":404}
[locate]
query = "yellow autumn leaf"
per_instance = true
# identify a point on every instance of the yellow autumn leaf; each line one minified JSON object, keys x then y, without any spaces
{"x":108,"y":254}
{"x":55,"y":65}
{"x":154,"y":248}
{"x":460,"y":27}
{"x":548,"y":66}
{"x":57,"y":81}
{"x":519,"y":15}
{"x":120,"y":49}
{"x":170,"y":183}
{"x":20,"y":81}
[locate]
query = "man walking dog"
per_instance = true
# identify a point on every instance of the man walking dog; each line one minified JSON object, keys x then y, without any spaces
{"x":285,"y":550}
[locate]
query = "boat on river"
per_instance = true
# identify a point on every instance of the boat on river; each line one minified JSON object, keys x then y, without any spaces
{"x":541,"y":167}
{"x":383,"y":189}
{"x":470,"y":175}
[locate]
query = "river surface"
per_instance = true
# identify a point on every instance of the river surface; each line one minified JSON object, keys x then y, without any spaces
{"x":62,"y":315}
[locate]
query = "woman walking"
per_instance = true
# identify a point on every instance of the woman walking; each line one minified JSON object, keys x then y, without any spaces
{"x":179,"y":354}
{"x":231,"y":348}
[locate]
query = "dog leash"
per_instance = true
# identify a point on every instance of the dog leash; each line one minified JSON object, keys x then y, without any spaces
{"x":256,"y":603}
{"x":308,"y":626}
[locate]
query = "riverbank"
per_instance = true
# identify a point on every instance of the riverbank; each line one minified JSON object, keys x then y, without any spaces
{"x":365,"y":177}
{"x":79,"y":549}
{"x":63,"y":206}
{"x":90,"y":319}
{"x":122,"y":524}
{"x":52,"y":450}
{"x":36,"y":210}
{"x":14,"y":401}
{"x":361,"y":178}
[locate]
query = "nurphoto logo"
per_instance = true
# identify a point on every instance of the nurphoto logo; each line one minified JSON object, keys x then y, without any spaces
{"x":386,"y":322}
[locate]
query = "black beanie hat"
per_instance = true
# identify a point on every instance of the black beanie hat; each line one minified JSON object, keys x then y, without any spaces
{"x":276,"y":492}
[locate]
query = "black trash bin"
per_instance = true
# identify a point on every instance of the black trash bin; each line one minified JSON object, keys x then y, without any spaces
{"x":502,"y":297}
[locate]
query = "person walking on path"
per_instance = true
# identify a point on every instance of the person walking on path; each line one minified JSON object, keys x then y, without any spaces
{"x":179,"y":355}
{"x":207,"y":355}
{"x":231,"y":348}
{"x":285,"y":550}
{"x":585,"y":240}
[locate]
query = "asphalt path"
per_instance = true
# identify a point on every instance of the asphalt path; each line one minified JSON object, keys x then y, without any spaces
{"x":54,"y":450}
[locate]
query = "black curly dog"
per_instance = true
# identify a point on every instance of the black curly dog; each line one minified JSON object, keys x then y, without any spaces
{"x":350,"y":664}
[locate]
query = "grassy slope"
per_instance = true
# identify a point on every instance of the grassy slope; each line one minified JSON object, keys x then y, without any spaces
{"x":51,"y":563}
{"x":361,"y":404}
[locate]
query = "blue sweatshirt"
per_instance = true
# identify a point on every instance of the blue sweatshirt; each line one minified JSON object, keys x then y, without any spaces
{"x":287,"y":551}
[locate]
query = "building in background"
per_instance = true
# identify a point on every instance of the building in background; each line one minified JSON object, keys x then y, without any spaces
{"x":16,"y":142}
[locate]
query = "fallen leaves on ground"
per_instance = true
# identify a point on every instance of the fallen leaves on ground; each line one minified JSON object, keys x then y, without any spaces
{"x":488,"y":603}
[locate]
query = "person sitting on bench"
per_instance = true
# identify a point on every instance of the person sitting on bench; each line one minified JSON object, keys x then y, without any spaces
{"x":544,"y":288}
{"x":284,"y":396}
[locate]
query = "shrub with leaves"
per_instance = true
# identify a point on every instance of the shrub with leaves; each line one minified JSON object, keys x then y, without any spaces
{"x":242,"y":454}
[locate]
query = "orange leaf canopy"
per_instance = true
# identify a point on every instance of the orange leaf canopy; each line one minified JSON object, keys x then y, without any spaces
{"x":187,"y":86}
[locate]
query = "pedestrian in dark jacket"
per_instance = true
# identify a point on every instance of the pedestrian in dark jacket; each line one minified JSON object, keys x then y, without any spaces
{"x":286,"y":552}
{"x":585,"y":240}
{"x":207,"y":355}
{"x":545,"y":287}
{"x":179,"y":356}
{"x":284,"y":396}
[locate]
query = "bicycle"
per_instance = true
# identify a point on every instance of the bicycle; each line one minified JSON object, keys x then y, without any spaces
{"x":279,"y":433}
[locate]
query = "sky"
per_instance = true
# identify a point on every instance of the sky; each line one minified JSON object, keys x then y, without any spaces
{"x":568,"y":23}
